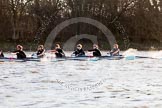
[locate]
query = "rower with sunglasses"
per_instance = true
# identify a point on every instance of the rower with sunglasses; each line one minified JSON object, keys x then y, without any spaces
{"x":79,"y":52}
{"x":96,"y":51}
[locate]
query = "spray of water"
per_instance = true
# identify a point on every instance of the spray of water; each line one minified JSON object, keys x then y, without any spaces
{"x":130,"y":52}
{"x":157,"y":55}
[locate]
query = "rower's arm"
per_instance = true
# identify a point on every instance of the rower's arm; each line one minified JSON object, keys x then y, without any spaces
{"x":91,"y":50}
{"x":116,"y":52}
{"x":14,"y":52}
{"x":42,"y":54}
{"x":52,"y":51}
{"x":62,"y":52}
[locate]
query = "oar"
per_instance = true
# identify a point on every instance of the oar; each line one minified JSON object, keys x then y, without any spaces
{"x":143,"y":57}
{"x":136,"y":57}
{"x":147,"y":57}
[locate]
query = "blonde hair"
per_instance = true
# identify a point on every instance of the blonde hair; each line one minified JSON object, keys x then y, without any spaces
{"x":20,"y":47}
{"x":80,"y":45}
{"x":41,"y":46}
{"x":116,"y":45}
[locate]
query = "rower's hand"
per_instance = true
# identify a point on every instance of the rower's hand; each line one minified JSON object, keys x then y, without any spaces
{"x":14,"y":52}
{"x":72,"y":55}
{"x":56,"y":52}
{"x":89,"y":51}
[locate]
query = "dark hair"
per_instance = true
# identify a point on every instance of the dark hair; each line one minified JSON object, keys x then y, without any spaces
{"x":57,"y":45}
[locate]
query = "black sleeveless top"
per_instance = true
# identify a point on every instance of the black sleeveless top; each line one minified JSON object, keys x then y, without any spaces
{"x":59,"y":53}
{"x":40,"y":52}
{"x":79,"y":53}
{"x":1,"y":55}
{"x":96,"y":52}
{"x":20,"y":54}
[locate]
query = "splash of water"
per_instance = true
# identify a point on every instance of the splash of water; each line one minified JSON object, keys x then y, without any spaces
{"x":130,"y":52}
{"x":156,"y":54}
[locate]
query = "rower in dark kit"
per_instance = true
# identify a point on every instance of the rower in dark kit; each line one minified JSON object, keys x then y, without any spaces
{"x":115,"y":51}
{"x":79,"y":52}
{"x":96,"y":51}
{"x":58,"y":51}
{"x":1,"y":54}
{"x":40,"y":51}
{"x":19,"y":52}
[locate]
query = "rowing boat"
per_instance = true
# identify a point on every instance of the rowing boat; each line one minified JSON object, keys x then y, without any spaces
{"x":7,"y":59}
{"x":86,"y":58}
{"x":53,"y":59}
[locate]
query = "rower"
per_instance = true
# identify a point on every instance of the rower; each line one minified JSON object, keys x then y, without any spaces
{"x":96,"y":51}
{"x":115,"y":51}
{"x":1,"y":54}
{"x":40,"y":51}
{"x":79,"y":52}
{"x":19,"y":52}
{"x":58,"y":51}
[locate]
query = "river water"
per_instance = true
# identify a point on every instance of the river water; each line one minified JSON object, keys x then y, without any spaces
{"x":82,"y":84}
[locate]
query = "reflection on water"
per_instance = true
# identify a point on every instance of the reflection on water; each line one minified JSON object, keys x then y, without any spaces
{"x":66,"y":84}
